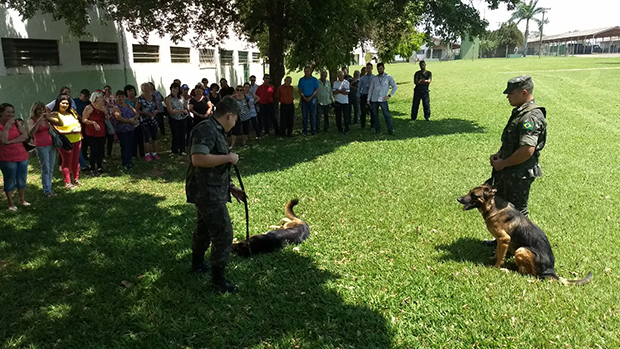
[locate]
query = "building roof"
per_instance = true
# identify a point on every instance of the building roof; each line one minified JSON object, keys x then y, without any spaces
{"x":582,"y":34}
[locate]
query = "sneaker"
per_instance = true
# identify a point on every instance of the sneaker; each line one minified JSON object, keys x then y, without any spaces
{"x":156,"y":157}
{"x":148,"y":158}
{"x":13,"y":208}
{"x":183,"y":153}
{"x":77,"y":183}
{"x":70,"y":186}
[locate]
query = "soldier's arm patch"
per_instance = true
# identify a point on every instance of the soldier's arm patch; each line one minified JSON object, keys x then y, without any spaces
{"x":528,"y":125}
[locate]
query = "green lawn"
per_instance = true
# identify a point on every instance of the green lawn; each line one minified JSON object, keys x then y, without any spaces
{"x":392,"y":261}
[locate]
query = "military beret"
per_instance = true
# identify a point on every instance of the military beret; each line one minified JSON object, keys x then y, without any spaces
{"x":519,"y":82}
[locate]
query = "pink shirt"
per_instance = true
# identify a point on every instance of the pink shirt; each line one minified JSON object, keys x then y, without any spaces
{"x":14,"y":152}
{"x":42,"y":137}
{"x":97,"y":116}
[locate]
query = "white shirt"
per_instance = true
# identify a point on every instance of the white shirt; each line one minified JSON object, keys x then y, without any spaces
{"x":342,"y":86}
{"x":380,"y":86}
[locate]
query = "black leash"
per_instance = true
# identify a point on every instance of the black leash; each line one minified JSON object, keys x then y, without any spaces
{"x":247,"y":215}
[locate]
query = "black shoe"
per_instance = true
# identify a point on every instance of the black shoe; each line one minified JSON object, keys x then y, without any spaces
{"x":202,"y":268}
{"x":427,"y":119}
{"x":391,"y":133}
{"x":491,"y":243}
{"x":95,"y":174}
{"x":224,"y":286}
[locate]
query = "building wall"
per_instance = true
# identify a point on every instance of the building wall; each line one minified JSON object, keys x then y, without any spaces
{"x":470,"y":49}
{"x":21,"y":86}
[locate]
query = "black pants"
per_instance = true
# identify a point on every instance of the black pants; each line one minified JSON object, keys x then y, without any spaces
{"x":426,"y":104}
{"x":365,"y":111}
{"x":256,"y":125}
{"x":514,"y":187}
{"x":287,"y":114}
{"x":138,"y":142}
{"x":161,"y":123}
{"x":97,"y":145}
{"x":85,"y":144}
{"x":179,"y":132}
{"x":322,"y":110}
{"x":109,"y":142}
{"x":190,"y":127}
{"x":213,"y":227}
{"x":267,"y":116}
{"x":340,"y":111}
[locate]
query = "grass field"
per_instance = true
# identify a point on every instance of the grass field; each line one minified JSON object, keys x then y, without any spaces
{"x":393,"y":261}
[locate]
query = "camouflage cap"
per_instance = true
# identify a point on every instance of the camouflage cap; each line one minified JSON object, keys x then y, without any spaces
{"x":519,"y":82}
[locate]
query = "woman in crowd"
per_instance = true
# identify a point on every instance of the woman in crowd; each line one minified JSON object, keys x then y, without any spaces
{"x":160,"y":104}
{"x":40,"y":130}
{"x":13,"y":155}
{"x":200,"y":106}
{"x":177,"y":110}
{"x":187,"y":97}
{"x":67,"y":123}
{"x":214,"y":95}
{"x":148,"y":109}
{"x":253,"y":114}
{"x":242,"y":127}
{"x":138,"y":136}
{"x":110,"y":102}
{"x":126,"y":121}
{"x":353,"y":100}
{"x":94,"y":118}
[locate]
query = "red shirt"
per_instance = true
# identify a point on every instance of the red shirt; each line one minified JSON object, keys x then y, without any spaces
{"x":42,"y":137}
{"x":98,"y":116}
{"x":14,"y":152}
{"x":284,"y":94}
{"x":265,"y":93}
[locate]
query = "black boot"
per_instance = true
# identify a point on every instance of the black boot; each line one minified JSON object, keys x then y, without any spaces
{"x":220,"y":284}
{"x":203,"y":267}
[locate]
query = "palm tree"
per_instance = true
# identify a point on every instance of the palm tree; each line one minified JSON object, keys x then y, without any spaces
{"x":526,"y":12}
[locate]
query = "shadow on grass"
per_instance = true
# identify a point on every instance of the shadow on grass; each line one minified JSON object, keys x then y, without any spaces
{"x":64,"y":260}
{"x":608,"y":63}
{"x":466,"y":250}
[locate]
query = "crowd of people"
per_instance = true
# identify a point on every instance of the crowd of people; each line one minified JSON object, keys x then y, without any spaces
{"x":83,"y":130}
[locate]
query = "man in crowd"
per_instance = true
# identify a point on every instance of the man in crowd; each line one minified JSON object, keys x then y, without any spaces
{"x":362,"y":93}
{"x":267,"y":115}
{"x":379,"y":94}
{"x":325,"y":98}
{"x":422,"y":79}
{"x":308,"y":88}
{"x":341,"y":91}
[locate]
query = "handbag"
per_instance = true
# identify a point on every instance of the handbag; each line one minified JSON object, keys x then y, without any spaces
{"x":60,"y":140}
{"x":109,"y":128}
{"x":28,"y":145}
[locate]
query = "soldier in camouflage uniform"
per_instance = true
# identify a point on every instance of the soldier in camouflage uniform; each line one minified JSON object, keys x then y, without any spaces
{"x":515,"y":165}
{"x":209,"y":187}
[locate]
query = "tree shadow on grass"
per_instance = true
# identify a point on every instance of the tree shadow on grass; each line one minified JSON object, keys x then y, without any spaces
{"x":63,"y":264}
{"x":466,"y":249}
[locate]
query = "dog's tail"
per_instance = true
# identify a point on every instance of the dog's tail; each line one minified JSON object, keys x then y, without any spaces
{"x":288,"y":210}
{"x":575,"y":282}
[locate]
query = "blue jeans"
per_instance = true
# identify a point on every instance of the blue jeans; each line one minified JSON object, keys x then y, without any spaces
{"x":47,"y":158}
{"x":126,"y":140}
{"x":386,"y":114}
{"x":14,"y":174}
{"x":82,"y":161}
{"x":308,"y":110}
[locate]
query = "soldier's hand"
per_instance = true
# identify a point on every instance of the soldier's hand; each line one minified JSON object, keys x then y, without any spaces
{"x":498,"y":164}
{"x":238,"y":194}
{"x":233,"y":158}
{"x":493,"y":157}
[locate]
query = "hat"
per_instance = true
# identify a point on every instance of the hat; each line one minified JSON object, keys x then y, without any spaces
{"x":85,"y":92}
{"x":519,"y":82}
{"x":184,"y":87}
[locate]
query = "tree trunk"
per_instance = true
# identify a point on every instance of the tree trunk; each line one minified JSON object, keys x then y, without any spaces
{"x":527,"y":33}
{"x":276,"y":43}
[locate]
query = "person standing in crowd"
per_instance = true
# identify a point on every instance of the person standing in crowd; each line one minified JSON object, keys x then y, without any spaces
{"x":325,"y":99}
{"x":214,"y":95}
{"x":284,"y":95}
{"x":253,"y":113}
{"x":199,"y":106}
{"x":63,"y":91}
{"x":242,"y":127}
{"x":80,"y":104}
{"x":161,"y":114}
{"x":148,"y":108}
{"x":422,"y":79}
{"x":138,"y":134}
{"x":13,"y":155}
{"x":66,"y":122}
{"x":362,"y":93}
{"x":205,"y":83}
{"x":40,"y":130}
{"x":266,"y":113}
{"x":308,"y":87}
{"x":225,"y":90}
{"x":208,"y":186}
{"x":253,"y":85}
{"x":379,"y":94}
{"x":177,"y":81}
{"x":354,"y":102}
{"x":347,"y":77}
{"x":177,"y":110}
{"x":341,"y":92}
{"x":94,"y":121}
{"x":110,"y":102}
{"x":126,"y":121}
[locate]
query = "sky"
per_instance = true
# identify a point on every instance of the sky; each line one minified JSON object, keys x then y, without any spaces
{"x":564,"y":15}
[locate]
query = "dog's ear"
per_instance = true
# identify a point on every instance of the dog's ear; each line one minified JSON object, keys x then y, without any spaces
{"x":489,"y":192}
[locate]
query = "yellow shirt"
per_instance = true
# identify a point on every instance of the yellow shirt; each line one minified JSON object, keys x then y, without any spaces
{"x":69,"y":123}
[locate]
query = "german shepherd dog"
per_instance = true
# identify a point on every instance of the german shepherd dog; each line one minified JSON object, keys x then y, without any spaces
{"x":292,"y":231}
{"x":515,"y":234}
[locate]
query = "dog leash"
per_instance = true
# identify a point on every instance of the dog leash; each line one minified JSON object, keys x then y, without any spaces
{"x":247,"y":216}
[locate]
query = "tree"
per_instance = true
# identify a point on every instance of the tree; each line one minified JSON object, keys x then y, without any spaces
{"x":509,"y":35}
{"x":526,"y":12}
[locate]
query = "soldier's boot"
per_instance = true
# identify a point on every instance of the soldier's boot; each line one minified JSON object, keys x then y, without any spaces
{"x":220,"y":284}
{"x":198,"y":263}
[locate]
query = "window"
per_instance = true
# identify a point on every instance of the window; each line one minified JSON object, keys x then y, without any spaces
{"x":226,"y":57}
{"x":243,"y":57}
{"x":179,"y":54}
{"x":421,"y":52}
{"x":98,"y":52}
{"x":255,"y":57}
{"x":30,"y":52}
{"x":145,"y":54}
{"x":207,"y":57}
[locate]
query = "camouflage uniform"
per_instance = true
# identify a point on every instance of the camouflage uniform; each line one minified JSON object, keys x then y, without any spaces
{"x":209,"y":190}
{"x":527,"y":126}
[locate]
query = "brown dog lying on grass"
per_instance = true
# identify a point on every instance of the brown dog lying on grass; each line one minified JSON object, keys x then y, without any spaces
{"x":293,"y":231}
{"x":516,"y":234}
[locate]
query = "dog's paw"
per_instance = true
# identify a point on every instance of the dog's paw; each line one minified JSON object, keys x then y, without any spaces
{"x":505,"y":270}
{"x":493,"y":258}
{"x":275,"y":226}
